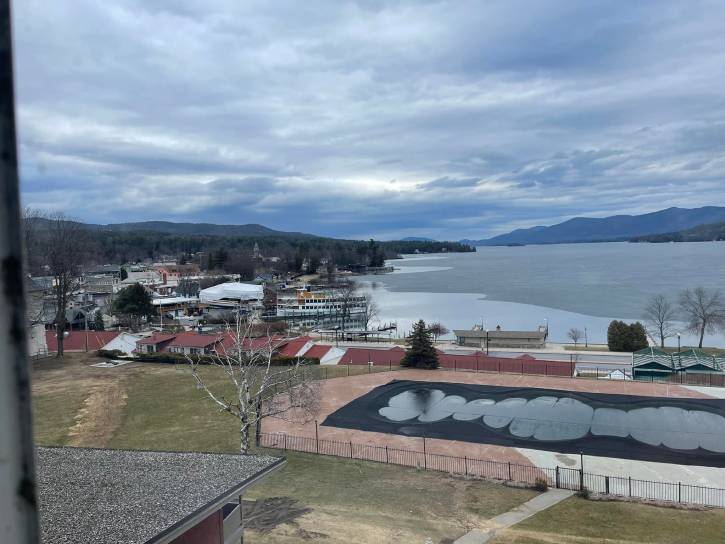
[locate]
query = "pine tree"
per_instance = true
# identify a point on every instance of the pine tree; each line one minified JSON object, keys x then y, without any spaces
{"x":98,"y":324}
{"x":421,"y":353}
{"x":134,"y":303}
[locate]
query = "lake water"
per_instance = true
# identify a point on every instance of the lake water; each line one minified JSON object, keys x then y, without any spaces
{"x":570,"y":285}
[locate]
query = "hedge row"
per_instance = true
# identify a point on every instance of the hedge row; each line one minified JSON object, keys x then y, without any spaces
{"x":180,"y":358}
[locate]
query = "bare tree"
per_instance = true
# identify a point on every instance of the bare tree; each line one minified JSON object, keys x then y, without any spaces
{"x":659,"y":314}
{"x":575,"y":335}
{"x":705,"y":310}
{"x":369,"y":310}
{"x":61,"y":244}
{"x":32,"y":225}
{"x":242,"y":264}
{"x":349,"y":296}
{"x":438,"y":330}
{"x":259,"y":389}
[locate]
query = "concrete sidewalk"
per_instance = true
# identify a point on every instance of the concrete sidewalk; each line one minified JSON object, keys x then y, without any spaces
{"x":517,"y":515}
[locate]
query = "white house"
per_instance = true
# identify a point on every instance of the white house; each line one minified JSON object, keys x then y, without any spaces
{"x":124,"y":342}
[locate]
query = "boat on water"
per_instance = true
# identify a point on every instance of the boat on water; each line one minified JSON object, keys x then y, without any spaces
{"x":308,"y":301}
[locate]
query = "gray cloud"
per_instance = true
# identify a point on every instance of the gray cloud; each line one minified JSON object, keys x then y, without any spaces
{"x":356,"y":119}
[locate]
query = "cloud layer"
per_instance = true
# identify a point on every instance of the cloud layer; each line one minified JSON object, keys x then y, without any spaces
{"x":354,"y":119}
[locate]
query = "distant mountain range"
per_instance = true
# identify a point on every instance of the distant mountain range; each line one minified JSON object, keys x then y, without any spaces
{"x":702,"y":233}
{"x":250,"y":230}
{"x":607,"y":229}
{"x":203,"y":229}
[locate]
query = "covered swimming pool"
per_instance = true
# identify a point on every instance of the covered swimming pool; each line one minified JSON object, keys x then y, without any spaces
{"x":687,"y":431}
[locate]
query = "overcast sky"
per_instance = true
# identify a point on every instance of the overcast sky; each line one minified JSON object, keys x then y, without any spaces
{"x":357,"y":119}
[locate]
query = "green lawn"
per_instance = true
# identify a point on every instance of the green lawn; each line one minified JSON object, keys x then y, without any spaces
{"x":58,"y":409}
{"x":583,"y":347}
{"x":351,"y":500}
{"x":581,"y":521}
{"x":382,"y":500}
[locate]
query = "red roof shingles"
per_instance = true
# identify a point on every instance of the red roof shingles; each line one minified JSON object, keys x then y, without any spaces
{"x":156,"y":338}
{"x":195,"y":340}
{"x":317,"y":351}
{"x":76,"y":340}
{"x":292,"y":348}
{"x":362,"y":356}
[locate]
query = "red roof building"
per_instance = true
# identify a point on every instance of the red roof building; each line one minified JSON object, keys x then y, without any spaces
{"x":362,"y":356}
{"x":317,"y":351}
{"x":155,"y":343}
{"x":195,"y":343}
{"x":295,"y":347}
{"x":76,"y":340}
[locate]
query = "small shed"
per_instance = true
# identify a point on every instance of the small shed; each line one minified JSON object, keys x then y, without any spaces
{"x":652,"y":362}
{"x":695,"y":361}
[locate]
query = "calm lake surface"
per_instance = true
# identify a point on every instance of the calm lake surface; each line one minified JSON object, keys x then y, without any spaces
{"x":570,"y":285}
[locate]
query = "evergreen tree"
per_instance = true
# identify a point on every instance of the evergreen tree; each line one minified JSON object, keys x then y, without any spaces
{"x":133,"y":302}
{"x":617,"y":335}
{"x":124,"y":273}
{"x":375,"y":255}
{"x":637,"y":337}
{"x":623,"y":337}
{"x":421,"y":353}
{"x":98,"y":324}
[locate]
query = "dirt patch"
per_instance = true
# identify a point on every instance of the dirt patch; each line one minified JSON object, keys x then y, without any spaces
{"x":263,"y":515}
{"x":99,"y":417}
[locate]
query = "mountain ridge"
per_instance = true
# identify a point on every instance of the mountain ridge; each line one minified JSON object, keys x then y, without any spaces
{"x":208,"y":229}
{"x":609,"y":229}
{"x":712,"y":232}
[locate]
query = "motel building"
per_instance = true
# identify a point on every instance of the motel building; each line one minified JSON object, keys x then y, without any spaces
{"x":105,"y":496}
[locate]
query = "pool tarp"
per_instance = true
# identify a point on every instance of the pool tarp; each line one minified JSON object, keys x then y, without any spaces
{"x":689,"y":431}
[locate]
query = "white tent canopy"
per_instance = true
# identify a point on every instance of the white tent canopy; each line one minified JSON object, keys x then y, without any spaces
{"x":232,"y":291}
{"x":124,"y":342}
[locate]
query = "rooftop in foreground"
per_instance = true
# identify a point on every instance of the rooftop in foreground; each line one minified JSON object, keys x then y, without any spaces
{"x":135,"y":497}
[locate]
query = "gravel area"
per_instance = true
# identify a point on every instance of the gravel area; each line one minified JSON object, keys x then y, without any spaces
{"x":132,"y":497}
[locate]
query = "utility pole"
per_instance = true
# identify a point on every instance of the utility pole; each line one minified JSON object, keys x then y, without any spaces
{"x":18,"y":501}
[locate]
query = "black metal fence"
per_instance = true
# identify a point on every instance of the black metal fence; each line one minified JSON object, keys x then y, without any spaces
{"x":559,"y":477}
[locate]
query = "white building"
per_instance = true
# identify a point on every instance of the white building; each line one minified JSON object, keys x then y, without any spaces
{"x":124,"y":342}
{"x":233,"y":294}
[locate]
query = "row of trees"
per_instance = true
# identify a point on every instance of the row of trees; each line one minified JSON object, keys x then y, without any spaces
{"x":233,"y":254}
{"x":702,"y":310}
{"x":626,"y":337}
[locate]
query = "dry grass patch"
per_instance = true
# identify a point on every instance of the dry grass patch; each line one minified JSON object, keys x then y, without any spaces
{"x":578,"y":521}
